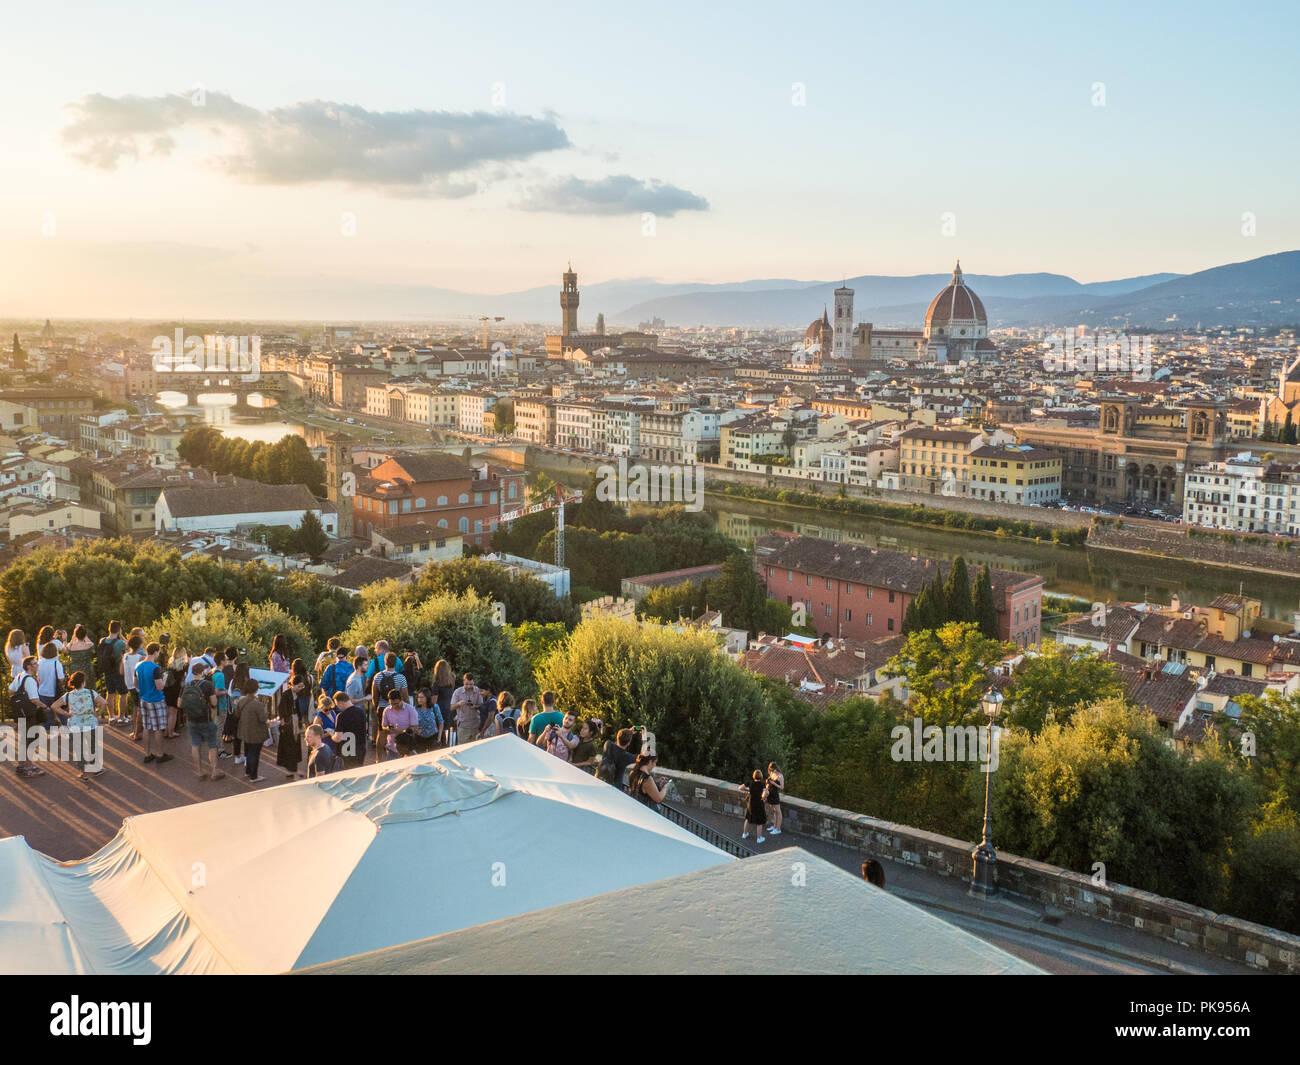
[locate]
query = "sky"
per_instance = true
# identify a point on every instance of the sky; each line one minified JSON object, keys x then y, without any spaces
{"x":198,"y":159}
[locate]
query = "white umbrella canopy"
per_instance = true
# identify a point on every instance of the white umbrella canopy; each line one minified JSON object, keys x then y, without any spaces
{"x":321,"y":869}
{"x":785,"y":912}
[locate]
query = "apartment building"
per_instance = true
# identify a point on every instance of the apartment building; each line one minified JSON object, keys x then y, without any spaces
{"x":535,"y":420}
{"x":1244,"y":493}
{"x":862,"y":593}
{"x":937,"y":460}
{"x":437,"y":490}
{"x":1015,"y":474}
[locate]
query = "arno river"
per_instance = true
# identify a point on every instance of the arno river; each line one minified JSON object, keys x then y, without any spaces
{"x":1095,"y":575}
{"x":1091,"y":574}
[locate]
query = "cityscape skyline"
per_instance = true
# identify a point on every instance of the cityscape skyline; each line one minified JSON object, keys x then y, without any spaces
{"x":144,"y":180}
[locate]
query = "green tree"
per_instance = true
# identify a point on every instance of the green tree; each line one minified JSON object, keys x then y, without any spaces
{"x":1051,"y":685}
{"x":708,"y":714}
{"x":311,"y":538}
{"x":536,"y":640}
{"x":957,"y":592}
{"x":542,"y":489}
{"x":986,"y":609}
{"x":946,"y":671}
{"x":252,"y":626}
{"x":1106,"y":787}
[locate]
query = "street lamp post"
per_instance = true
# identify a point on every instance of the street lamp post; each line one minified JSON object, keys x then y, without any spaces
{"x":984,"y":876}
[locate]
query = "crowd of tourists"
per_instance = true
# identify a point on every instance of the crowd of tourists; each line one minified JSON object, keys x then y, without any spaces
{"x":352,"y":706}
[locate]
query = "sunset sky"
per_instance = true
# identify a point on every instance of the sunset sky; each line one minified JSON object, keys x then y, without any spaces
{"x":165,"y":161}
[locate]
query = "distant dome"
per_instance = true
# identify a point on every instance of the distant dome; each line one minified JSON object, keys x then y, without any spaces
{"x":955,"y":308}
{"x":820,"y":332}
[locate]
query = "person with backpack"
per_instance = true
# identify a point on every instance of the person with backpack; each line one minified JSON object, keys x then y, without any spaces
{"x":150,"y":684}
{"x":335,"y":677}
{"x":108,"y":664}
{"x":349,"y":735}
{"x":199,"y":705}
{"x":326,"y":659}
{"x":616,"y":757}
{"x":385,"y":680}
{"x":27,"y":710}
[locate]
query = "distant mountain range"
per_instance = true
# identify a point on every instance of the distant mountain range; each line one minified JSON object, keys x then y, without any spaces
{"x":1264,"y":291}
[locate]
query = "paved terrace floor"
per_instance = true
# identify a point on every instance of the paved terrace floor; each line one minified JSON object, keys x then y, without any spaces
{"x":69,"y":820}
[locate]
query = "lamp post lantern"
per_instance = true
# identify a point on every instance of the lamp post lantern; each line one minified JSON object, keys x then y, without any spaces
{"x":984,"y":876}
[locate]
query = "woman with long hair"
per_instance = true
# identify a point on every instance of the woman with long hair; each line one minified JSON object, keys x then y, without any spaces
{"x":775,"y":782}
{"x":178,"y":671}
{"x":444,"y":684}
{"x":641,"y":782}
{"x":755,"y":807}
{"x":81,"y":655}
{"x":301,"y":684}
{"x":16,"y":650}
{"x":279,"y":656}
{"x":527,"y":710}
{"x":288,"y":748}
{"x":133,"y":657}
{"x":46,"y":635}
{"x":428,"y":723}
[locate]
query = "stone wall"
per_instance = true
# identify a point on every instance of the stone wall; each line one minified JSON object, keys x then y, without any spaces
{"x":1202,"y":546}
{"x":1179,"y":922}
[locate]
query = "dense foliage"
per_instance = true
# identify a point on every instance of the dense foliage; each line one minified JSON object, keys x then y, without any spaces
{"x":137,"y":583}
{"x":706,"y":712}
{"x":287,"y":461}
{"x":523,"y":597}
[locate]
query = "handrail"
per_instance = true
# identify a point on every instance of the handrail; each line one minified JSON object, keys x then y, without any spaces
{"x":709,"y":835}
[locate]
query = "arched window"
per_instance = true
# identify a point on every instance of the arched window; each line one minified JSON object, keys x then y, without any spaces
{"x":464,"y":497}
{"x":442,"y":501}
{"x":442,"y":523}
{"x":464,"y":525}
{"x":419,"y":503}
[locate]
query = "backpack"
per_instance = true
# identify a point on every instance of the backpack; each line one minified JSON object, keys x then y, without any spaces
{"x":385,"y":681}
{"x":106,"y":661}
{"x":22,"y":705}
{"x":194,"y":704}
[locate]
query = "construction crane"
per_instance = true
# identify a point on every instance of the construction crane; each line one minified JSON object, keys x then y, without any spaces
{"x":557,"y":504}
{"x":484,"y":318}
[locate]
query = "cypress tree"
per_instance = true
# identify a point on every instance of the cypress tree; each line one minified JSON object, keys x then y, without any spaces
{"x":957,"y":592}
{"x":939,"y":599}
{"x":986,"y":610}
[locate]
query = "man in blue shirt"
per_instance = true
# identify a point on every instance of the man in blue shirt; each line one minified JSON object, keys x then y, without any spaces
{"x":153,"y":706}
{"x":335,"y":678}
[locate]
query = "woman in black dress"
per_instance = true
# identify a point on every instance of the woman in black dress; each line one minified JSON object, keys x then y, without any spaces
{"x":288,"y":752}
{"x":775,"y":782}
{"x":755,"y":807}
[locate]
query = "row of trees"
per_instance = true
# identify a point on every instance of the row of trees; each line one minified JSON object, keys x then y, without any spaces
{"x":137,"y":583}
{"x":287,"y":461}
{"x":941,"y":602}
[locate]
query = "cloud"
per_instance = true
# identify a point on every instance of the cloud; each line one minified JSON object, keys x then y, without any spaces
{"x":617,"y":194}
{"x":424,"y":153}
